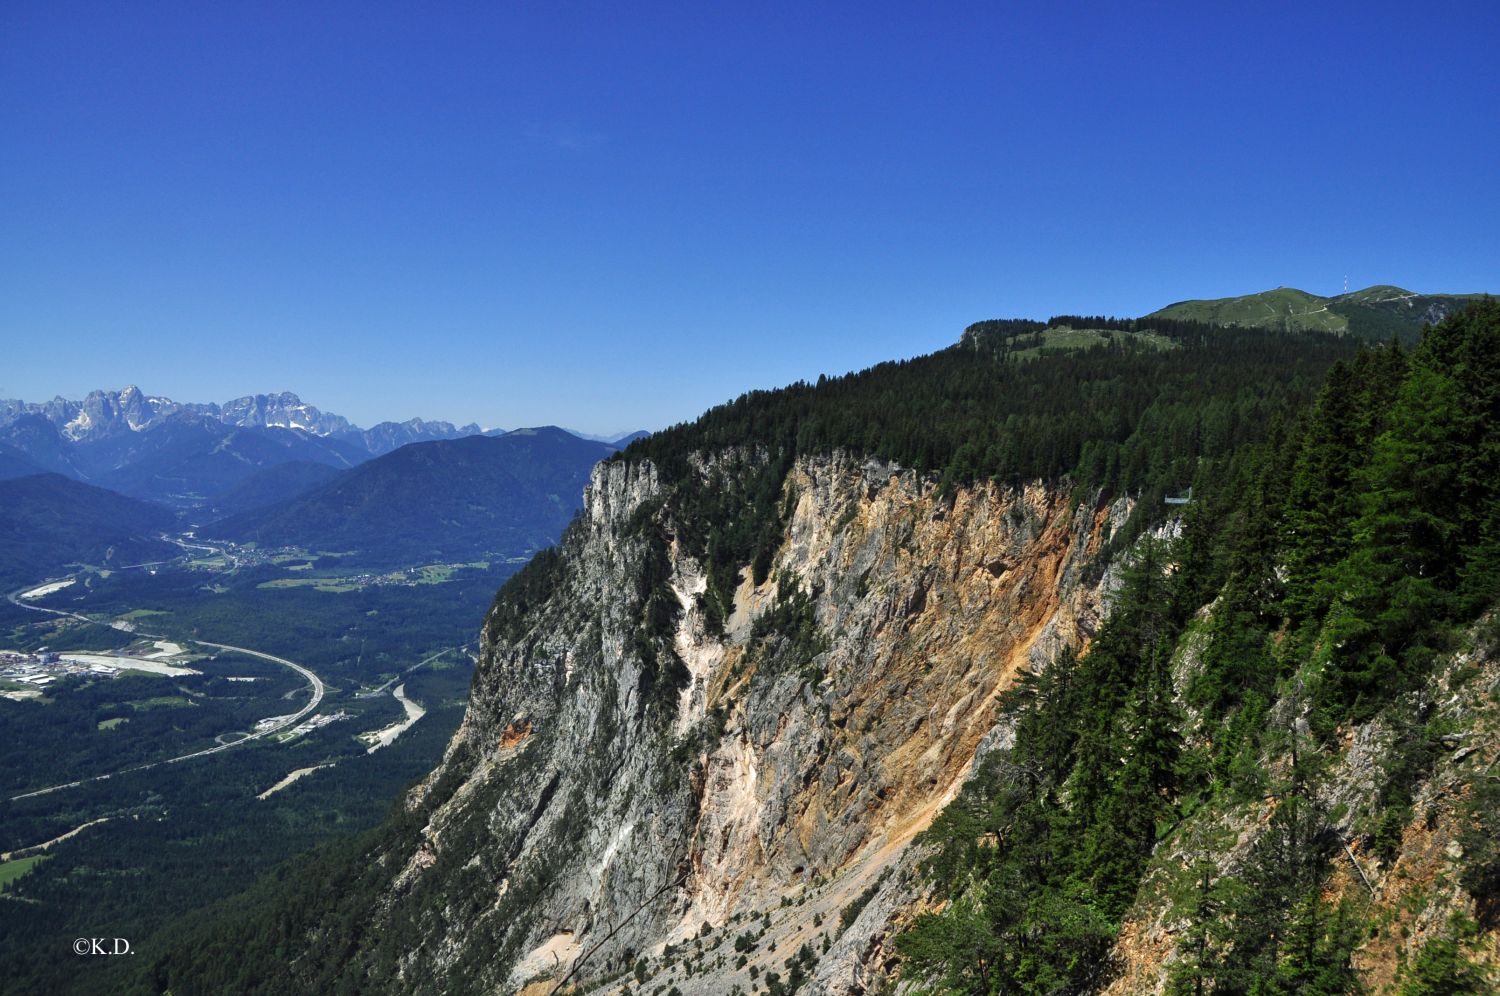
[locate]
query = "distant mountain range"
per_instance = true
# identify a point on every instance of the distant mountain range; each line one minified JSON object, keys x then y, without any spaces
{"x":85,"y":482}
{"x":191,"y":454}
{"x":106,"y":414}
{"x":1375,"y":313}
{"x":476,"y":498}
{"x":188,"y":456}
{"x":618,"y":439}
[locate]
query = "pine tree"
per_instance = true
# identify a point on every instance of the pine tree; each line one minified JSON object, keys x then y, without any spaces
{"x":1323,"y":502}
{"x":1396,"y":584}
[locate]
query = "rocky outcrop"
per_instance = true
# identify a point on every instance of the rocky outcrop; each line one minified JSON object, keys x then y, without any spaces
{"x":1409,"y":897}
{"x":698,"y":828}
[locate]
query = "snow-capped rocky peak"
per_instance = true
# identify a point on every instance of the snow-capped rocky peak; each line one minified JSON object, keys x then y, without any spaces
{"x":105,"y":413}
{"x":284,"y":411}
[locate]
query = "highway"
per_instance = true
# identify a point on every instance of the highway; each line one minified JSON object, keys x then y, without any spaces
{"x":314,"y":682}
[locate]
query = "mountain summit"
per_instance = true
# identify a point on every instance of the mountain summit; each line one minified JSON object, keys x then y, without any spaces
{"x":284,"y":410}
{"x":1375,"y":313}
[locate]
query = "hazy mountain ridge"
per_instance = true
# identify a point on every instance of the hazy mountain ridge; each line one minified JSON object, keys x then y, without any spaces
{"x":463,"y":499}
{"x":48,"y":521}
{"x":269,"y":486}
{"x":188,"y":456}
{"x":37,"y":439}
{"x":14,"y":463}
{"x":384,"y":437}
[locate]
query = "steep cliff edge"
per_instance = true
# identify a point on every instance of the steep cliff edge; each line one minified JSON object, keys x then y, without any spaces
{"x":877,"y":683}
{"x":806,"y":744}
{"x":715,"y":809}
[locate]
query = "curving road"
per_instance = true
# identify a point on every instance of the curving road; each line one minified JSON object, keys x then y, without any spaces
{"x":314,"y":682}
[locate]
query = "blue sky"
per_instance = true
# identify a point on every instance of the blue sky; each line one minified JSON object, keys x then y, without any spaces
{"x":614,"y":215}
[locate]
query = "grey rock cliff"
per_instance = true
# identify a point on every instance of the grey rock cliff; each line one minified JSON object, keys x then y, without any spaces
{"x":588,"y":808}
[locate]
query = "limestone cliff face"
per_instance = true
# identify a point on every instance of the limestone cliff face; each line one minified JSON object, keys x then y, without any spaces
{"x":592,"y":807}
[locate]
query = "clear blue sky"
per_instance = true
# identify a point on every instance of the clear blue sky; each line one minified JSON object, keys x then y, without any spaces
{"x":614,"y":215}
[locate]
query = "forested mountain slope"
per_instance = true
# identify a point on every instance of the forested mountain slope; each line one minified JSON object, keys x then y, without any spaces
{"x":911,"y":677}
{"x":1273,"y":765}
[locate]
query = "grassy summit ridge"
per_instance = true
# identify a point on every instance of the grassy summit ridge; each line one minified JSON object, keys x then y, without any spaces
{"x":1374,"y":314}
